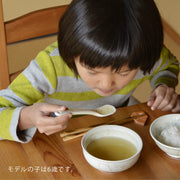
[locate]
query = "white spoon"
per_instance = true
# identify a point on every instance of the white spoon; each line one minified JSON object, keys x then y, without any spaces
{"x":102,"y":111}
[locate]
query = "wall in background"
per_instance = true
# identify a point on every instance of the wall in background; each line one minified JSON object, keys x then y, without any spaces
{"x":16,"y":8}
{"x":170,"y":11}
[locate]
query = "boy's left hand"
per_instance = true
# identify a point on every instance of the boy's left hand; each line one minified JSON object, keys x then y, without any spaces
{"x":164,"y":98}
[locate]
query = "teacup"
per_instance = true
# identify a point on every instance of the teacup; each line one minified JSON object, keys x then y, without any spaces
{"x":111,"y":131}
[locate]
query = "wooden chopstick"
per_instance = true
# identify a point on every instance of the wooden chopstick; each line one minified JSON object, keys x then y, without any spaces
{"x":67,"y":135}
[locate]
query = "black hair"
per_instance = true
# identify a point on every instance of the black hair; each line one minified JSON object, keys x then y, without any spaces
{"x":111,"y":33}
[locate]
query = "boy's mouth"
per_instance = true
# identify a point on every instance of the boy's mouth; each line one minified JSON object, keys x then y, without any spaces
{"x":106,"y":92}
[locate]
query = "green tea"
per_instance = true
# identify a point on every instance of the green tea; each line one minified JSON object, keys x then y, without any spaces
{"x":111,"y":148}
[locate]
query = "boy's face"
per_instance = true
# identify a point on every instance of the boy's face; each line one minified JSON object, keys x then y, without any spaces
{"x":104,"y":81}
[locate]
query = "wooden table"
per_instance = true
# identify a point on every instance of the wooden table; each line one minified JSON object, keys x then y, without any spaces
{"x":48,"y":157}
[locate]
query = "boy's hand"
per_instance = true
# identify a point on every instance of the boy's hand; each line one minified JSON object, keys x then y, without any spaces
{"x":163,"y":98}
{"x":176,"y":108}
{"x":38,"y":115}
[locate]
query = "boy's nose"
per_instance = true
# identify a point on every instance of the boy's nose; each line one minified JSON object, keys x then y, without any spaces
{"x":106,"y":83}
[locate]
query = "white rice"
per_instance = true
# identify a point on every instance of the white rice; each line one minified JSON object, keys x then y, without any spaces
{"x":170,"y":136}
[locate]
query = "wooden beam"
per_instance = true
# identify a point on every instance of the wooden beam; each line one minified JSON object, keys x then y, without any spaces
{"x":35,"y":24}
{"x":4,"y":70}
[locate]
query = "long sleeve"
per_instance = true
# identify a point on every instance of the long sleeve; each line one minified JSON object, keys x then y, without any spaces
{"x":28,"y":88}
{"x":166,"y":70}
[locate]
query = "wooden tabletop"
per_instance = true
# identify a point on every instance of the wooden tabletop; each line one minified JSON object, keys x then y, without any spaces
{"x":48,"y":157}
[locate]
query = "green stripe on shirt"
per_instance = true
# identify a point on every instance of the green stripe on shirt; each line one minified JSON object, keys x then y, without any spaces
{"x":171,"y":82}
{"x":46,"y":65}
{"x":5,"y":102}
{"x":6,"y":116}
{"x":24,"y":89}
{"x":70,"y":96}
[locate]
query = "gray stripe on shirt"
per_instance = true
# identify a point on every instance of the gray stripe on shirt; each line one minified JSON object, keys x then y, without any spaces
{"x":12,"y":97}
{"x":14,"y":124}
{"x":37,"y":78}
{"x":2,"y":109}
{"x":24,"y":136}
{"x":71,"y":84}
{"x":55,"y":52}
{"x":162,"y":74}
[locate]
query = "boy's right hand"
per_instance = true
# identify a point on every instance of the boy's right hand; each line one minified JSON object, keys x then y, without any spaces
{"x":38,"y":115}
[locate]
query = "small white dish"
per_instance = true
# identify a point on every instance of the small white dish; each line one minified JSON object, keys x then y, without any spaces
{"x":111,"y":131}
{"x":160,"y":124}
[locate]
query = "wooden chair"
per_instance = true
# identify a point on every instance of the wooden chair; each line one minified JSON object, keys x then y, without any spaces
{"x":32,"y":25}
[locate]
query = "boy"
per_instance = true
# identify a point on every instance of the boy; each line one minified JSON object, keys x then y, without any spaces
{"x":105,"y":50}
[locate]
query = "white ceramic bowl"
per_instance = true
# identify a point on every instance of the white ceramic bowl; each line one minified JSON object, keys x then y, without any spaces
{"x":158,"y":125}
{"x":111,"y":131}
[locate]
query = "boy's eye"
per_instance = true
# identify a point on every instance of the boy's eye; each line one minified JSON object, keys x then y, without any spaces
{"x":92,"y":72}
{"x":121,"y":74}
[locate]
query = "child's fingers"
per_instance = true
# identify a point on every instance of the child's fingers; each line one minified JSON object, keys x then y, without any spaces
{"x":51,"y":107}
{"x":53,"y":129}
{"x":50,"y":121}
{"x":151,"y":99}
{"x":157,"y":101}
{"x":171,"y":104}
{"x":48,"y":125}
{"x":167,"y":101}
{"x":150,"y":102}
{"x":160,"y":97}
{"x":176,"y":109}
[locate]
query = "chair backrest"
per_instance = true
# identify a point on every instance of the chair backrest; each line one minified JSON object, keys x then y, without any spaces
{"x":32,"y":25}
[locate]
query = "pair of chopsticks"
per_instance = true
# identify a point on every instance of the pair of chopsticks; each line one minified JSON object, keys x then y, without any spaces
{"x":68,"y":135}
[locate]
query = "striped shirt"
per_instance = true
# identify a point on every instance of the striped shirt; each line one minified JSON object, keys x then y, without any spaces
{"x":49,"y":79}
